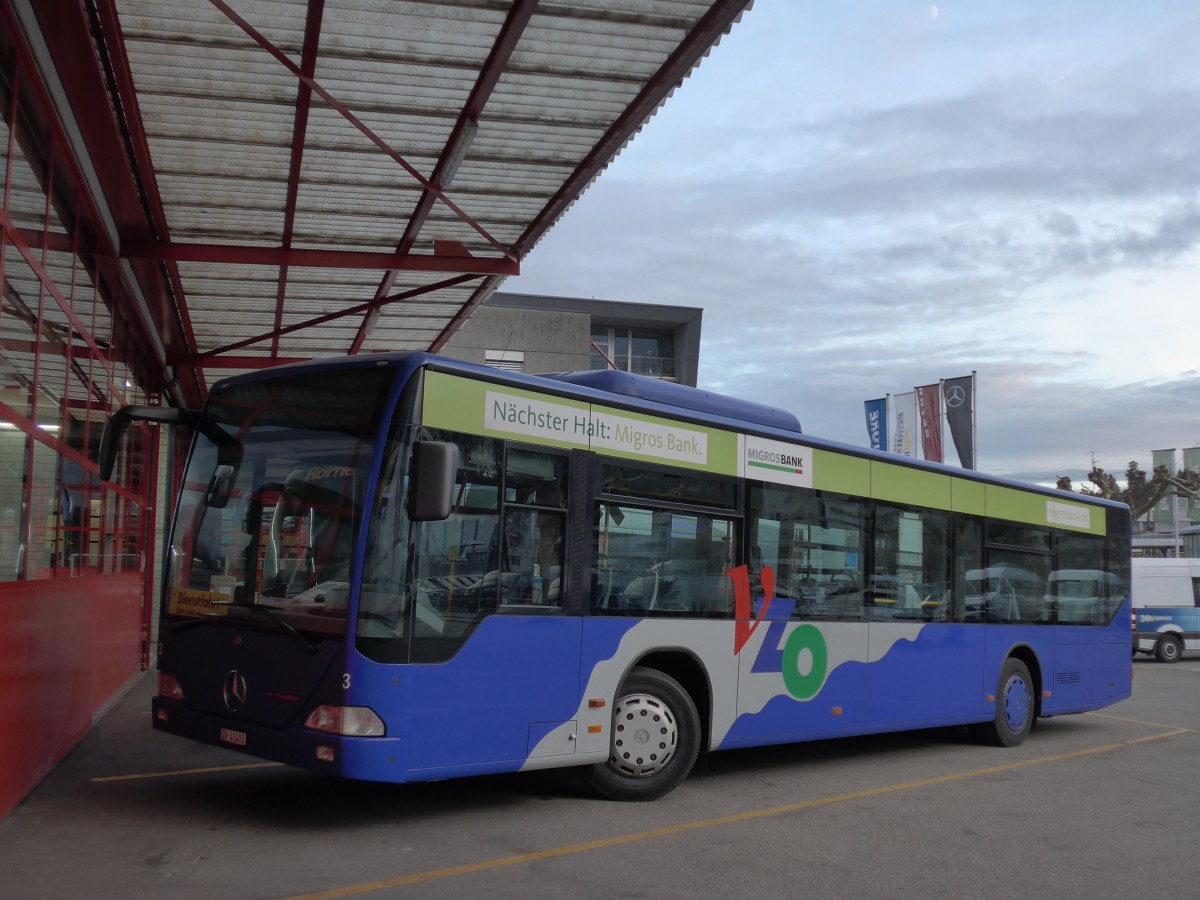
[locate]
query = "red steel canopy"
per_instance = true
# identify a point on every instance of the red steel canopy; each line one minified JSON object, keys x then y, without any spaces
{"x":287,"y":179}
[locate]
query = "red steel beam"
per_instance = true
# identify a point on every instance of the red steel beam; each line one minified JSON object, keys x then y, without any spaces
{"x":336,"y":104}
{"x":202,"y":358}
{"x":47,"y":283}
{"x":241,"y":254}
{"x":50,"y":348}
{"x":308,"y":65}
{"x":714,"y":23}
{"x":368,"y":323}
{"x":239,"y":362}
{"x":71,"y":37}
{"x":506,"y":42}
{"x":139,"y":144}
{"x":82,"y":404}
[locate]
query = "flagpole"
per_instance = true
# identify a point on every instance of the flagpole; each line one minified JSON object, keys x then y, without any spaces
{"x":918,"y":437}
{"x":887,"y":417}
{"x":942,"y":415}
{"x":974,"y":438}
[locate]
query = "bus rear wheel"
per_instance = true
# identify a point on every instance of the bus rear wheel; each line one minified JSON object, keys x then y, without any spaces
{"x":1168,"y":649}
{"x":1015,"y":707}
{"x":655,"y":738}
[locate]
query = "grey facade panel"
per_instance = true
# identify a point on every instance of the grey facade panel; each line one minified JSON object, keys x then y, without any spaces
{"x":555,"y":332}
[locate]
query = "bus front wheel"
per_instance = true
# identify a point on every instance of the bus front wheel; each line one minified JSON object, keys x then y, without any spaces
{"x":1168,"y":649}
{"x":1015,"y":706}
{"x":655,"y":738}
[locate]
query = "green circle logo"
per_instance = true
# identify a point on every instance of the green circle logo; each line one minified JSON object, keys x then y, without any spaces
{"x":805,"y":685}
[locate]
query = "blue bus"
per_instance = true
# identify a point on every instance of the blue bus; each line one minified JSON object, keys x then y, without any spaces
{"x":404,"y":568}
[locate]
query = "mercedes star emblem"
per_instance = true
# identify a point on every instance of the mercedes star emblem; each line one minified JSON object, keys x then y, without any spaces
{"x":955,"y":396}
{"x":234,"y":691}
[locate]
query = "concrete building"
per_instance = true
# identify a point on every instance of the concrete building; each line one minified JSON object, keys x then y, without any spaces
{"x":1168,"y":531}
{"x":1190,"y":538}
{"x":532,"y":333}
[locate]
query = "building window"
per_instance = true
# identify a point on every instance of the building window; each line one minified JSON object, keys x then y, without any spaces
{"x":639,"y":350}
{"x":512,"y":360}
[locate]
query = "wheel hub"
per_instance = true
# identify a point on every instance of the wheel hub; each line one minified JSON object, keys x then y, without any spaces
{"x":645,"y":735}
{"x":1016,"y":704}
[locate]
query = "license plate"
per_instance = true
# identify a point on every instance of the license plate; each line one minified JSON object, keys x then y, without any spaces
{"x":237,"y":738}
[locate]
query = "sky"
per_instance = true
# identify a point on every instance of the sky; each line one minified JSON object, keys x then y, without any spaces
{"x":868,"y":195}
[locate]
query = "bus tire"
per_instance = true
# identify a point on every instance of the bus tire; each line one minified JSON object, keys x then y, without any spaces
{"x":1015,"y":707}
{"x":1168,"y":649}
{"x":655,"y":738}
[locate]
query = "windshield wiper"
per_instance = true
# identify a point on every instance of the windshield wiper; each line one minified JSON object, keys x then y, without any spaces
{"x":305,"y":644}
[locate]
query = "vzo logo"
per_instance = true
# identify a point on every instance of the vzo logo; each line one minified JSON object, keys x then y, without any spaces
{"x":803,"y":660}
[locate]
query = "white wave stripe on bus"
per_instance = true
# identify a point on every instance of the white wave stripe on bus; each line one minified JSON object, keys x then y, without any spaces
{"x":845,"y":642}
{"x":712,"y":644}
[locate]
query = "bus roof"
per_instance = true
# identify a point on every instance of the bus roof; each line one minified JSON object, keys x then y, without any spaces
{"x":680,"y":395}
{"x":664,"y":398}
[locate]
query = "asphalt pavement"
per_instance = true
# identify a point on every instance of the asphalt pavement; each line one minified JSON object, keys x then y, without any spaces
{"x":1102,"y":805}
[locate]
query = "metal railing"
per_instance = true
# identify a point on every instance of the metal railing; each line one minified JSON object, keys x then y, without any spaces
{"x":653,"y":366}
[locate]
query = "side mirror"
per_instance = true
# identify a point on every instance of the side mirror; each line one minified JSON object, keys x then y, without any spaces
{"x":431,"y":480}
{"x":116,"y":426}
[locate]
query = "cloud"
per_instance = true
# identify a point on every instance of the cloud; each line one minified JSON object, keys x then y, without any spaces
{"x":1030,"y":214}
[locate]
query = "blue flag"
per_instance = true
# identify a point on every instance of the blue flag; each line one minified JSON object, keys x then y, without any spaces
{"x":877,"y":423}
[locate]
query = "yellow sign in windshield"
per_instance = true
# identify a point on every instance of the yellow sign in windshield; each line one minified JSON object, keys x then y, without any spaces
{"x":189,"y":602}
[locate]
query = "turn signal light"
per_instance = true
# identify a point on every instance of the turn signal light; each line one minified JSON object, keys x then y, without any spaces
{"x":351,"y":721}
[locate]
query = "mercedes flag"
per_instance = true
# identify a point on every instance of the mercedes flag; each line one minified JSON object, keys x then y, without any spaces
{"x":958,"y":395}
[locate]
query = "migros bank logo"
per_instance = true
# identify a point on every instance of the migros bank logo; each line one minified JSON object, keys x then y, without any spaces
{"x":803,"y":659}
{"x":778,"y":462}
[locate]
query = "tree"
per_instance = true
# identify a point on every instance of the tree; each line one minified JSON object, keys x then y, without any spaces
{"x":1142,"y":493}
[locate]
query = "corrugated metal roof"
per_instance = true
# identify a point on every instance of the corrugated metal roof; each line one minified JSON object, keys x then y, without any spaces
{"x":283,"y":136}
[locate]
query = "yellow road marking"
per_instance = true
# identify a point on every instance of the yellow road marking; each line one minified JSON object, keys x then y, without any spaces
{"x":177,"y":772}
{"x":1156,"y":737}
{"x":683,"y":827}
{"x":1140,"y":722}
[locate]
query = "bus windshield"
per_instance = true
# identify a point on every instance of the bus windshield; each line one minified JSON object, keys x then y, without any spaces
{"x":268,"y":512}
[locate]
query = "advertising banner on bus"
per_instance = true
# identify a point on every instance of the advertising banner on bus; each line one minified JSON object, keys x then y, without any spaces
{"x":477,"y":407}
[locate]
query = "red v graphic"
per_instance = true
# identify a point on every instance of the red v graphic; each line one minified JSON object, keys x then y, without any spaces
{"x":743,"y":626}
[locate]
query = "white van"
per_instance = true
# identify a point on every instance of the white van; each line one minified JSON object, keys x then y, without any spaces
{"x":1084,"y":596}
{"x":1166,"y":607}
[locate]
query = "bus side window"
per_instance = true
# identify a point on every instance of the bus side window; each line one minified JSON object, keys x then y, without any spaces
{"x":912,"y":564}
{"x":662,"y":562}
{"x":531,"y":564}
{"x":967,"y":600}
{"x":533,"y":558}
{"x":1079,"y":590}
{"x":815,"y":543}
